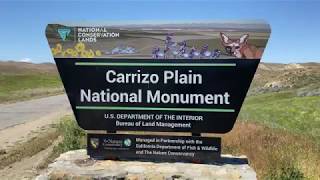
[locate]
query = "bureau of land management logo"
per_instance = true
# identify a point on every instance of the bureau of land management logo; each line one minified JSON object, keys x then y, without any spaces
{"x":64,"y":33}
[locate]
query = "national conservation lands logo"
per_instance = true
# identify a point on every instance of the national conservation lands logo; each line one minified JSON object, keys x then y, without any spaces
{"x":94,"y":142}
{"x":64,"y":33}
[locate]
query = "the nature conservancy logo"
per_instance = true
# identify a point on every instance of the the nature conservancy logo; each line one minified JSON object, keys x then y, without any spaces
{"x":127,"y":142}
{"x":94,"y":142}
{"x":64,"y":33}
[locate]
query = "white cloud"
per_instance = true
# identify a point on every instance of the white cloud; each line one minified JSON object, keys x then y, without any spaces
{"x":25,"y":60}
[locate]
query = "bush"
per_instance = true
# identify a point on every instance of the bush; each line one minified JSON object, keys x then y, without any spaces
{"x":286,"y":173}
{"x":73,"y":136}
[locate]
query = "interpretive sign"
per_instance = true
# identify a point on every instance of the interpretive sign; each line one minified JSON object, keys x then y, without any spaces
{"x":183,"y":77}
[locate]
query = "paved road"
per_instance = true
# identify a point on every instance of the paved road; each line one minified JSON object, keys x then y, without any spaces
{"x":21,"y":112}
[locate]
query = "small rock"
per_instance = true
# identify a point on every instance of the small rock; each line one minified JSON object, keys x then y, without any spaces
{"x":2,"y":151}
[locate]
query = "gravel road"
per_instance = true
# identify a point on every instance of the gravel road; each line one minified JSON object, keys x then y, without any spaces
{"x":22,"y":112}
{"x":22,"y":121}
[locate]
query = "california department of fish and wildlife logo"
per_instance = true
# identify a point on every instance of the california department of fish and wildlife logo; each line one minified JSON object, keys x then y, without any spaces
{"x":64,"y":33}
{"x":94,"y":142}
{"x":127,"y":142}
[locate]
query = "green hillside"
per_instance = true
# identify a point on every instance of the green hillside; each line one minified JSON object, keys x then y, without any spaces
{"x":284,"y":110}
{"x":21,"y":81}
{"x":285,"y":96}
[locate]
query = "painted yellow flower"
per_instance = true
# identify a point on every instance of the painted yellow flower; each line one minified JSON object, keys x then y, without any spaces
{"x":54,"y":51}
{"x":80,"y":46}
{"x":90,"y":54}
{"x":59,"y":48}
{"x":98,"y":53}
{"x":74,"y":54}
{"x":84,"y":53}
{"x":70,"y":51}
{"x":64,"y":53}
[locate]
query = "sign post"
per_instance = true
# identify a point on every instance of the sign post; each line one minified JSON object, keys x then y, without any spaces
{"x":146,"y":84}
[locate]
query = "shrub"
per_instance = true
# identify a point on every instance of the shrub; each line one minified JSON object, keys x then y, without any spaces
{"x":73,"y":136}
{"x":286,"y":173}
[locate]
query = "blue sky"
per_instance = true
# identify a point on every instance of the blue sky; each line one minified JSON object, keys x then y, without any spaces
{"x":295,"y":24}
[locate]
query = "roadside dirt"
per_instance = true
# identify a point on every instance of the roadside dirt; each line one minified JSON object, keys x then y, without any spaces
{"x":21,"y":133}
{"x":28,"y":167}
{"x":26,"y":147}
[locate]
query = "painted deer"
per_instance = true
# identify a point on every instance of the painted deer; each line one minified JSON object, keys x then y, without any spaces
{"x":240,"y":48}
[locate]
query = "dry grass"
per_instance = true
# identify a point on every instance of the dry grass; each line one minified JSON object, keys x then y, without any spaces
{"x":272,"y":152}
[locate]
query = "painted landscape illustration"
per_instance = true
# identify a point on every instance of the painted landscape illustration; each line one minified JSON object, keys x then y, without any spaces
{"x":165,"y":41}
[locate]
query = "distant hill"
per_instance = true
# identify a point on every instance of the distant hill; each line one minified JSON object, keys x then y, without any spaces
{"x":303,"y":78}
{"x":13,"y":67}
{"x":21,"y":81}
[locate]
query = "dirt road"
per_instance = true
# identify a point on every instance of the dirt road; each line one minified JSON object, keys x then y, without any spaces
{"x":21,"y":112}
{"x":19,"y":121}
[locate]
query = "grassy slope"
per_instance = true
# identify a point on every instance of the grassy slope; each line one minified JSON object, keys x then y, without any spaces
{"x":19,"y":83}
{"x":279,"y":132}
{"x":274,"y":153}
{"x":285,"y":111}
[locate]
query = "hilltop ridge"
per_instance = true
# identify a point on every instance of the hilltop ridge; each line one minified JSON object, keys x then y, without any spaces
{"x":303,"y":78}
